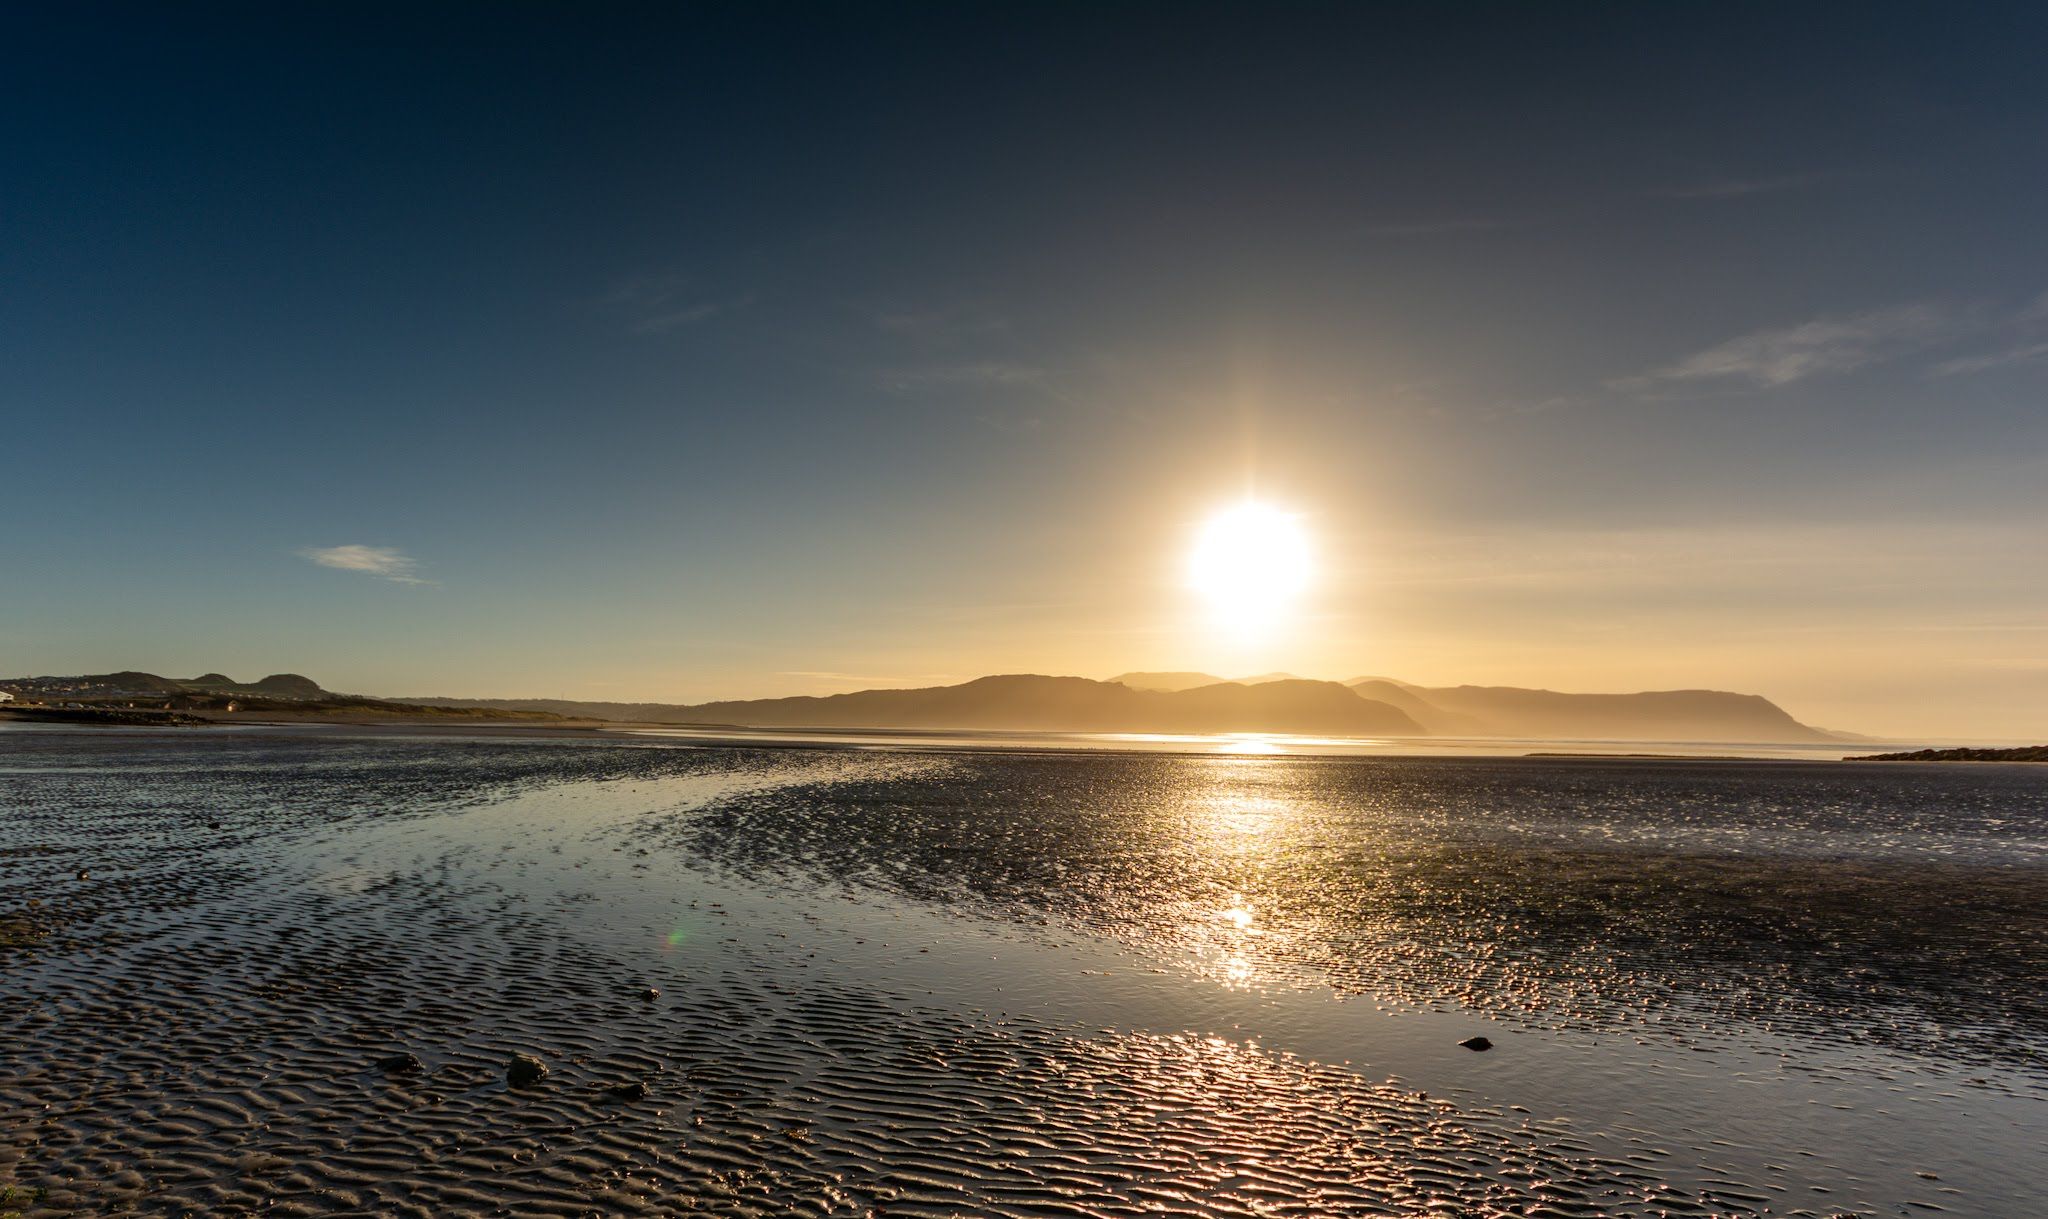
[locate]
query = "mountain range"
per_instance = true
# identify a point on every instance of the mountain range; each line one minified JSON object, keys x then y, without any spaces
{"x":1200,"y":702}
{"x":1026,"y":702}
{"x":1189,"y":702}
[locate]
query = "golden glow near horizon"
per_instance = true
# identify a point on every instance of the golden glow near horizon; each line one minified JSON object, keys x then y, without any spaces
{"x":1251,"y":564}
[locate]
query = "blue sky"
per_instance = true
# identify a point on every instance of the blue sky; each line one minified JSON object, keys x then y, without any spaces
{"x":681,"y":352}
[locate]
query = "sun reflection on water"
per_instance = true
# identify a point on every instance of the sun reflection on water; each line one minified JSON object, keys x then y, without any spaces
{"x":1233,"y":934}
{"x":1258,"y":744}
{"x":1240,"y":807}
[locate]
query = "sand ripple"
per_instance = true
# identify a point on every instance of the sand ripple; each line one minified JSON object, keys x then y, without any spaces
{"x":197,"y":1025}
{"x":1667,"y":899}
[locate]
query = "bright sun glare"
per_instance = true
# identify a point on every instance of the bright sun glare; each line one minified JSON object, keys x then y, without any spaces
{"x":1251,"y":563}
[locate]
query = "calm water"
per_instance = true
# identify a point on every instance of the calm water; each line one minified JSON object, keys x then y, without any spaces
{"x":1016,"y":982}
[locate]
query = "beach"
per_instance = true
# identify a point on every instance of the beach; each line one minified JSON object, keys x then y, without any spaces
{"x":287,"y":970}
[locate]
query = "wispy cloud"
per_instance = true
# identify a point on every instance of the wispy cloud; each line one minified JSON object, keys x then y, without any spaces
{"x":690,"y":315}
{"x":969,"y":353}
{"x":2024,"y":353}
{"x":383,"y":562}
{"x":1739,"y":188}
{"x":1766,"y":359}
{"x":655,"y":304}
{"x":2026,"y":341}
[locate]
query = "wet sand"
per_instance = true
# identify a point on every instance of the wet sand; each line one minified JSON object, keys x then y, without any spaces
{"x":907,"y":983}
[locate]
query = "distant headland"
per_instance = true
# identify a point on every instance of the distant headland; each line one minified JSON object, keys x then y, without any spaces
{"x":1129,"y":703}
{"x":1199,"y":702}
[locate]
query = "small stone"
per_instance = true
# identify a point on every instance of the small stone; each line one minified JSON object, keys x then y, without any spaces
{"x":213,"y":825}
{"x":637,"y":1090}
{"x":1476,"y":1043}
{"x":407,"y":1063}
{"x":651,"y":993}
{"x":524,"y":1069}
{"x":85,"y":874}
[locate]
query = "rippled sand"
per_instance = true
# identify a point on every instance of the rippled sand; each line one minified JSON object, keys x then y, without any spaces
{"x":1844,"y":902}
{"x":903,"y":985}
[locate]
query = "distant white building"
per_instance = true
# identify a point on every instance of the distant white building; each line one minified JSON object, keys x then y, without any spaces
{"x":5,"y":697}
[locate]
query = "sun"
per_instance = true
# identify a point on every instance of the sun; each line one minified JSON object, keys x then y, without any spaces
{"x":1251,"y":563}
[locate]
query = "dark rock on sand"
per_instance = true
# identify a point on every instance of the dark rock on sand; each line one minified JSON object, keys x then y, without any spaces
{"x":637,"y":1090}
{"x":407,"y":1063}
{"x":1476,"y":1043}
{"x":524,"y":1069}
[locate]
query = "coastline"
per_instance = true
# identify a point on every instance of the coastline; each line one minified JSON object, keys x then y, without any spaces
{"x":1249,"y":744}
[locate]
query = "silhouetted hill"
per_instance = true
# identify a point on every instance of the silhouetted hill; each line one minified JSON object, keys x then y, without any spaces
{"x":1433,"y":718}
{"x":1134,"y":702}
{"x":1287,"y":705}
{"x":132,"y":697}
{"x":1410,"y":687}
{"x":286,"y":686}
{"x":1688,"y":715}
{"x":1028,"y":702}
{"x":129,"y":679}
{"x":1167,"y":682}
{"x":1369,"y":707}
{"x":1172,"y":683}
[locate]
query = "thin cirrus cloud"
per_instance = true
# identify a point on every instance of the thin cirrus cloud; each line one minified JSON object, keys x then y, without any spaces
{"x":690,"y":315}
{"x":2024,"y":353}
{"x":657,"y":304}
{"x":384,"y":562}
{"x":2026,"y":342}
{"x":1766,"y":359}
